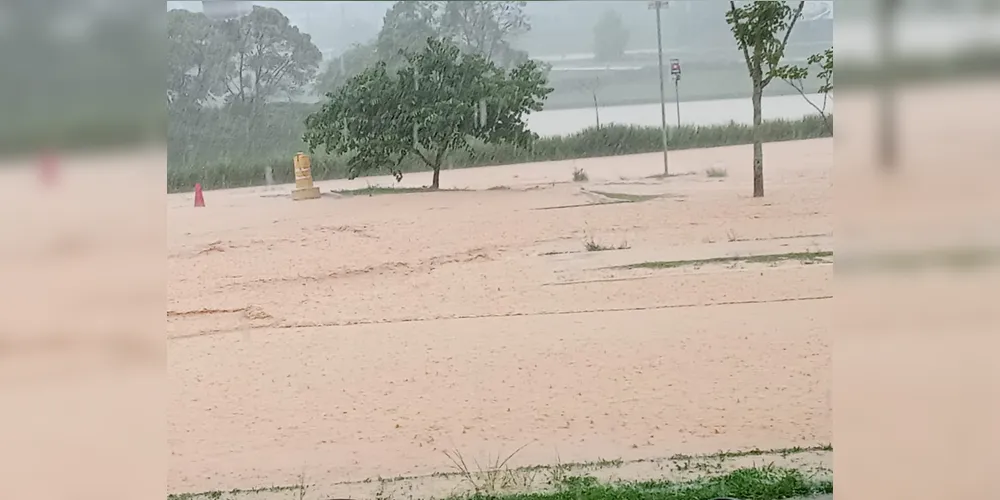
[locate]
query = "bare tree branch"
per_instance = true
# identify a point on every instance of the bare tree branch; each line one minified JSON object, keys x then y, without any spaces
{"x":784,"y":41}
{"x":742,"y":43}
{"x":800,"y":88}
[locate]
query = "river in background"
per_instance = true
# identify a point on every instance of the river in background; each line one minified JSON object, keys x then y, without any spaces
{"x":714,"y":112}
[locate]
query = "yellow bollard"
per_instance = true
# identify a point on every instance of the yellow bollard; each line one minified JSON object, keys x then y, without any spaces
{"x":304,"y":189}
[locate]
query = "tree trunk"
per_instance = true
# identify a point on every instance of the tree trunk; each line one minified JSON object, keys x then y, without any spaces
{"x":436,"y":180}
{"x":758,"y":147}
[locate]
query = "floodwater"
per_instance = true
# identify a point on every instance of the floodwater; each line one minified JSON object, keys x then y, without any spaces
{"x":714,"y":112}
{"x":396,"y":329}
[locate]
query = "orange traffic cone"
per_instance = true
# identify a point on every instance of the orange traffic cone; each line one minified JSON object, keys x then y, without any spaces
{"x":199,"y":198}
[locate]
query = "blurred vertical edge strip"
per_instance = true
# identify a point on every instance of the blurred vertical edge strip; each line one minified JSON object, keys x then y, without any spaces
{"x":82,"y":355}
{"x":81,"y":74}
{"x":916,"y":385}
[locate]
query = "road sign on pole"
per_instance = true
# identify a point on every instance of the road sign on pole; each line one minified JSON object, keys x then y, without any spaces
{"x":675,"y":70}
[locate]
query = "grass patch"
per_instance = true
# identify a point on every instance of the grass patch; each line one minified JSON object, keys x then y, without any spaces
{"x":377,"y":190}
{"x":557,"y":252}
{"x":580,"y":175}
{"x":592,"y":246}
{"x":716,"y":172}
{"x":757,"y":483}
{"x":217,"y":495}
{"x":499,"y":188}
{"x":632,"y":198}
{"x":205,"y":151}
{"x":583,"y":205}
{"x":668,"y":176}
{"x":495,"y":477}
{"x":804,"y":257}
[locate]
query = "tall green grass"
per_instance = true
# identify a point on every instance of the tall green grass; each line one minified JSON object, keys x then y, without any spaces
{"x":609,"y":140}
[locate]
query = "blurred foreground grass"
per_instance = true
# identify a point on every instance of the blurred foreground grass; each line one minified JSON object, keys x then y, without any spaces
{"x":609,"y":140}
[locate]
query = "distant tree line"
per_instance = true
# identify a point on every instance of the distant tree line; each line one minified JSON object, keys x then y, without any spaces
{"x":225,"y":78}
{"x":437,"y":76}
{"x":484,"y":28}
{"x":243,"y":63}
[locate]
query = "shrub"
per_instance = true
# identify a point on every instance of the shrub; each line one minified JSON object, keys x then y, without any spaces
{"x":716,"y":172}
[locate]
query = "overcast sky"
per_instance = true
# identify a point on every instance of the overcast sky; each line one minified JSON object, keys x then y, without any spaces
{"x":558,"y":27}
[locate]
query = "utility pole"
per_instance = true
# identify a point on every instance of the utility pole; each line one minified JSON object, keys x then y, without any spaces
{"x":677,"y":99}
{"x":657,"y":5}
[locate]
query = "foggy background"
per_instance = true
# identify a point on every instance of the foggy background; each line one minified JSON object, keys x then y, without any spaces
{"x":559,"y":28}
{"x":600,"y":58}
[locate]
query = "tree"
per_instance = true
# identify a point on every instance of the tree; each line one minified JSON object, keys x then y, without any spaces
{"x":479,"y":27}
{"x":346,"y":66}
{"x":268,"y":57}
{"x":194,"y":57}
{"x":486,"y":28}
{"x":246,"y":62}
{"x":610,"y":37}
{"x":439,"y":101}
{"x":761,"y":30}
{"x":796,"y":75}
{"x":406,"y":27}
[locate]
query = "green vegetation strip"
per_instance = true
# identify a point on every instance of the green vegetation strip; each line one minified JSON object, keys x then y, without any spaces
{"x":756,"y":483}
{"x":632,"y":198}
{"x":377,"y":190}
{"x":753,"y":483}
{"x":785,"y":483}
{"x":217,"y":161}
{"x":804,"y":257}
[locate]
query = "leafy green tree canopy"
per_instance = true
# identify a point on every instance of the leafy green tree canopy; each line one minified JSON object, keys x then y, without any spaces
{"x":761,"y":30}
{"x":439,"y":101}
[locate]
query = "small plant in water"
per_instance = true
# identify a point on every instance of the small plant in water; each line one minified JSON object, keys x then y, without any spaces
{"x":580,"y":175}
{"x":715,"y":172}
{"x":593,"y":246}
